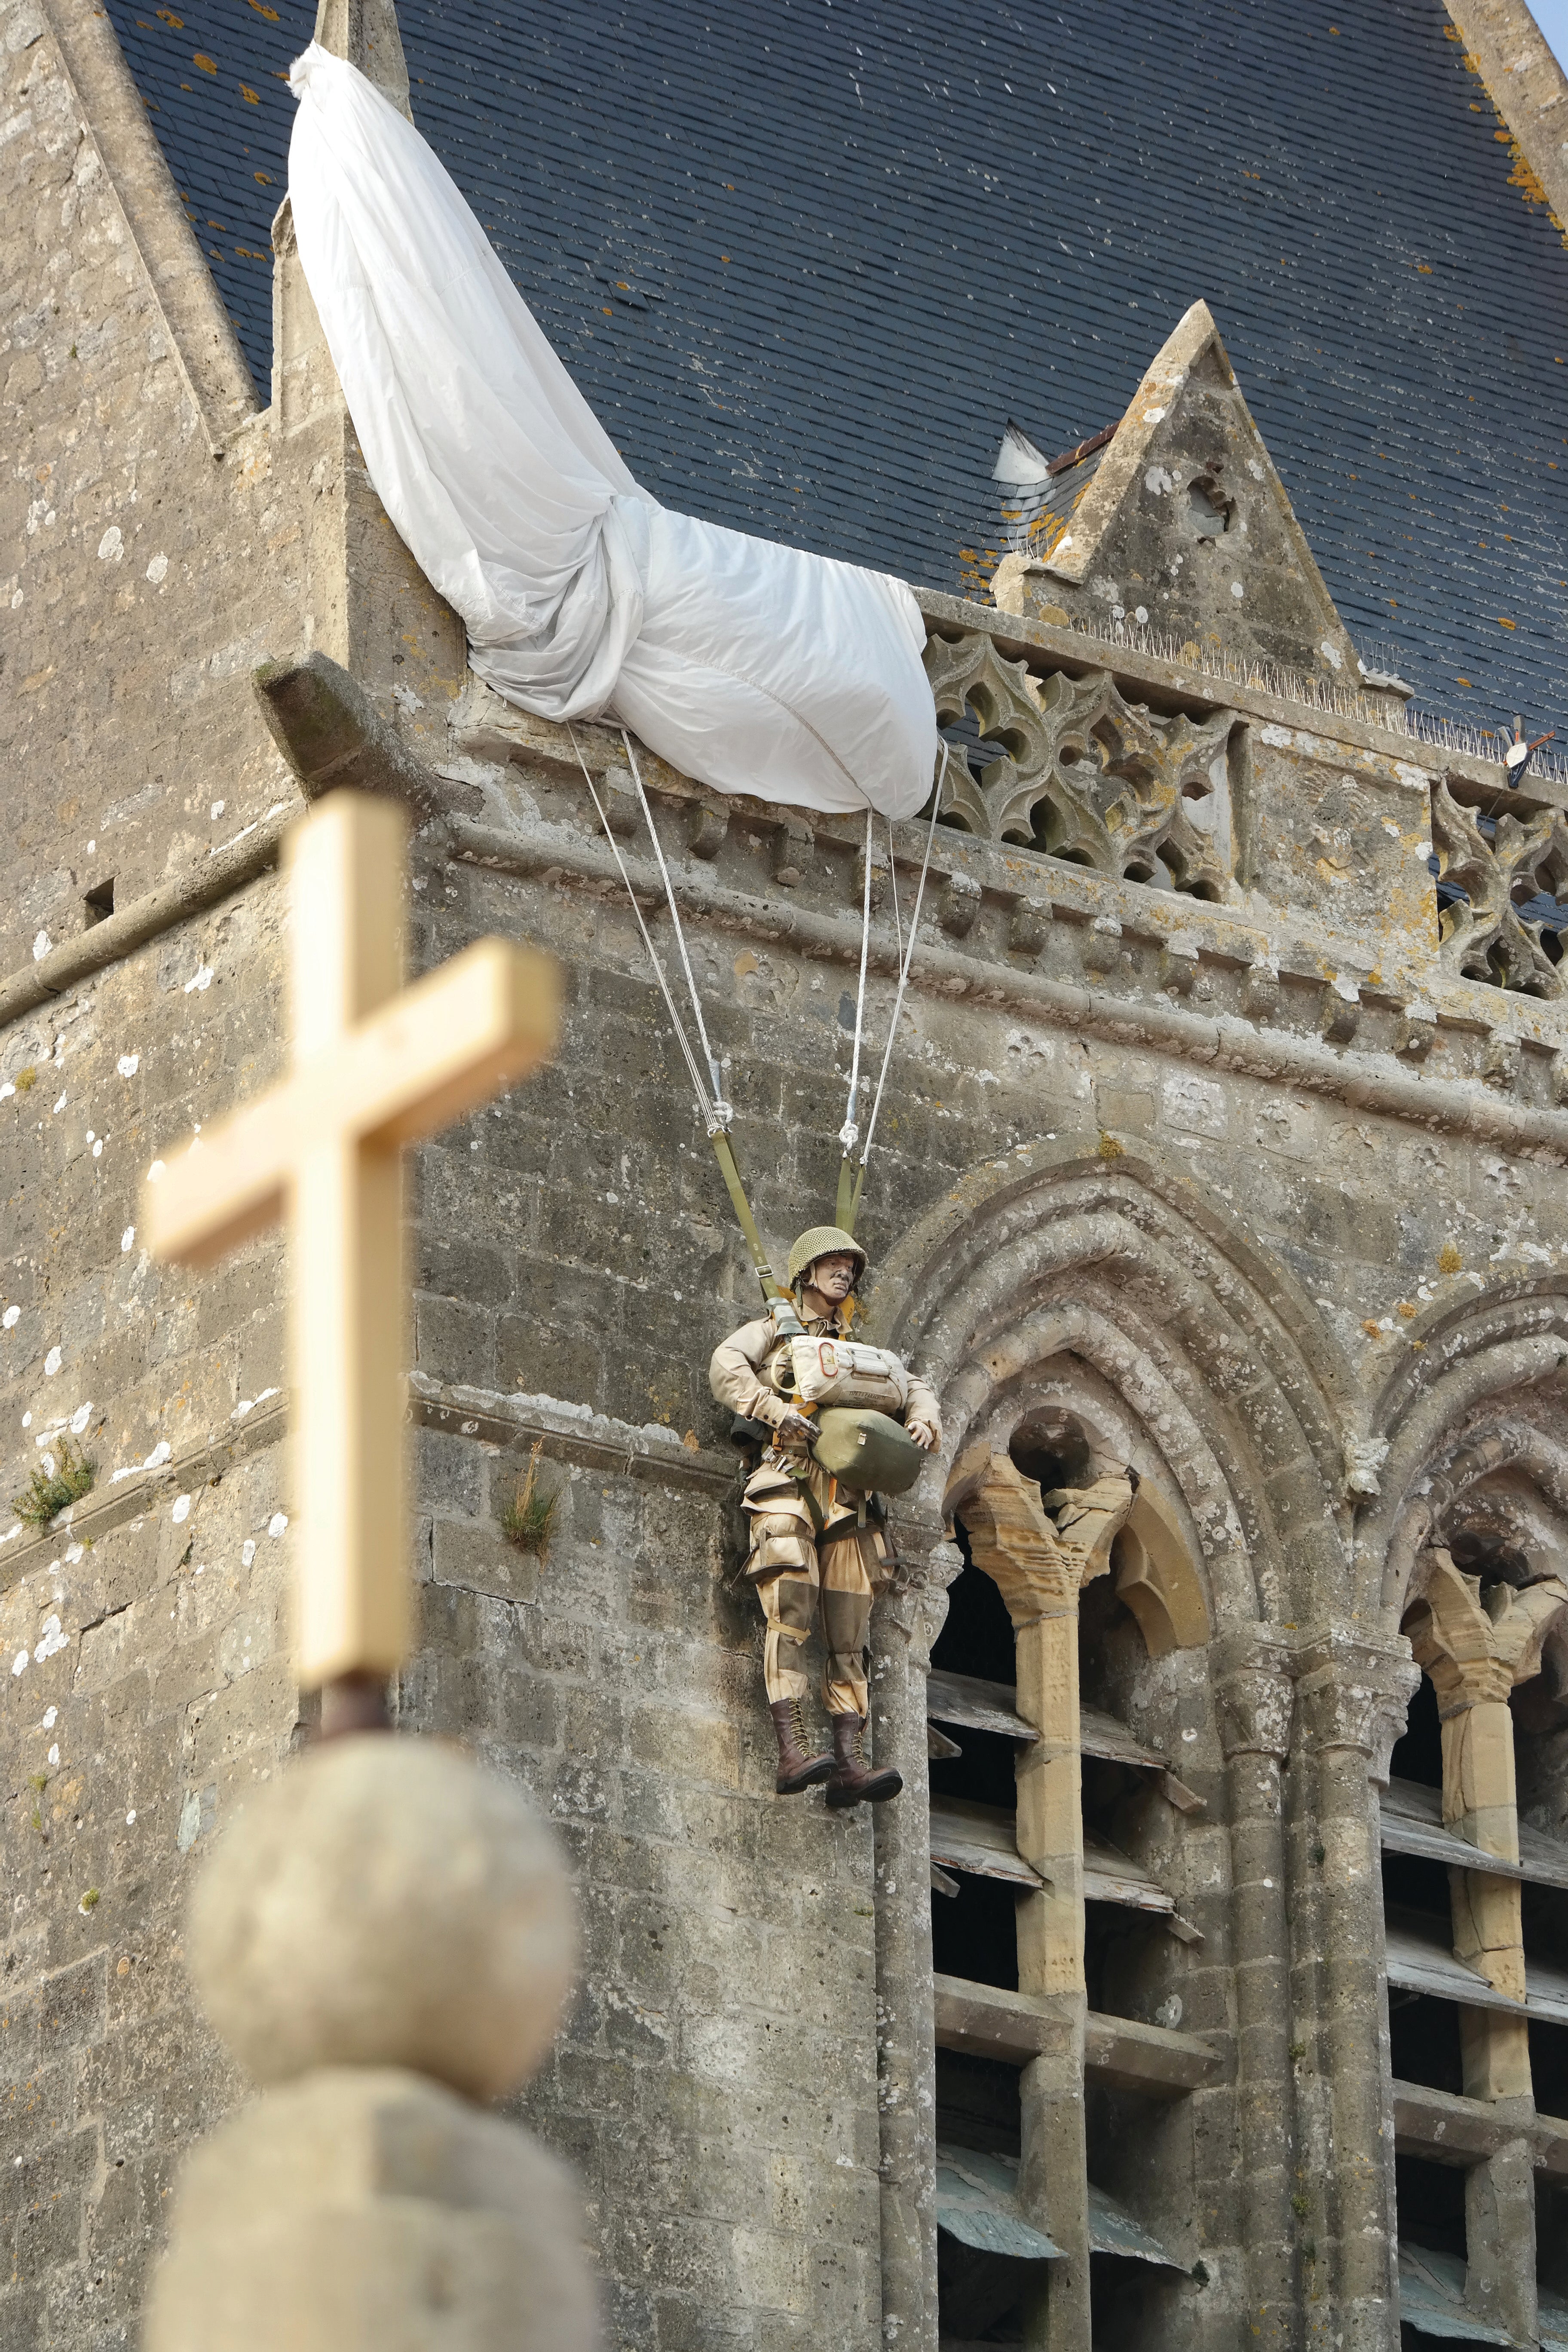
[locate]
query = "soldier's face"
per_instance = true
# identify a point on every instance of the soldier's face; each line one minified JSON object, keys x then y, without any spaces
{"x":833,"y":1277}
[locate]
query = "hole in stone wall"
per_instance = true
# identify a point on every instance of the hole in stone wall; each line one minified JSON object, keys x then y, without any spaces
{"x":1483,"y":1552}
{"x":1544,"y":1918}
{"x":1209,"y":508}
{"x":99,"y":902}
{"x":977,"y":1638}
{"x":1126,"y":1962}
{"x":1411,"y":1883}
{"x":1423,"y":2042}
{"x":983,"y":1774}
{"x":1550,"y":2235}
{"x":974,"y":1933}
{"x":1430,"y":2199}
{"x":1129,"y":2305}
{"x":976,"y":2101}
{"x":1418,"y":1753}
{"x":980,"y":2297}
{"x":1549,"y":2067}
{"x":1052,"y":1449}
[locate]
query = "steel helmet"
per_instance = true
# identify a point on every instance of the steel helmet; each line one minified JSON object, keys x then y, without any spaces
{"x":823,"y":1241}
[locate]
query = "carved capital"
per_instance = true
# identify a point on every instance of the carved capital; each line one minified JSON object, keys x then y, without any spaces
{"x":1475,"y":1649}
{"x":1037,"y":1566}
{"x":1256,"y":1697}
{"x":916,"y":1605}
{"x":1354,"y":1693}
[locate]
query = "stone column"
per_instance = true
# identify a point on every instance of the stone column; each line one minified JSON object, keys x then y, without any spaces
{"x":367,"y":604}
{"x":1351,"y":1694}
{"x":1039,"y":1568}
{"x":1476,"y":1650}
{"x":1475,"y":1654}
{"x":383,"y":1938}
{"x":1256,"y":1702}
{"x":908,"y":1622}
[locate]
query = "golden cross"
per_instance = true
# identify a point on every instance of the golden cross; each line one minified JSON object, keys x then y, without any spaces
{"x":376,"y":1065}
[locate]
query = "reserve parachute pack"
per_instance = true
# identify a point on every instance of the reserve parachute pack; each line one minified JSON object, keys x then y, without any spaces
{"x":866,"y":1450}
{"x":835,"y":1371}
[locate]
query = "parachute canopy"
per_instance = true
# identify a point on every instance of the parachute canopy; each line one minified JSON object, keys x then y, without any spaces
{"x":751,"y":668}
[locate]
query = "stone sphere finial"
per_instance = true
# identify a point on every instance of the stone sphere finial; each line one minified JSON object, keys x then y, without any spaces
{"x":386,"y":1902}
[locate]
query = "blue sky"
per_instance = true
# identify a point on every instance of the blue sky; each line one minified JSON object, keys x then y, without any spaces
{"x":1552,"y":16}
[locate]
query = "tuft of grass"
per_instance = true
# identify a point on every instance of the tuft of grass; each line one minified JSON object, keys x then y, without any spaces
{"x":48,"y":1493}
{"x":89,"y":1899}
{"x":529,"y":1516}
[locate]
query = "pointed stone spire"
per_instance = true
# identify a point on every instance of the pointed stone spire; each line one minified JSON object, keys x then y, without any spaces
{"x":365,"y":32}
{"x":1178,"y":521}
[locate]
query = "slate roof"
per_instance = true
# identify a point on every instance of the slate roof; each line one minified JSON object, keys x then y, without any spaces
{"x":806,"y":258}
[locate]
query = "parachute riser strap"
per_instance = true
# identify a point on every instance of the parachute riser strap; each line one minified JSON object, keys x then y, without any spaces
{"x":848,"y":1193}
{"x":723,"y":1151}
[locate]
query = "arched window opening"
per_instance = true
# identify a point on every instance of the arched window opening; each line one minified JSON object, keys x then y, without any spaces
{"x":1476,"y":1905}
{"x":1032,"y":1785}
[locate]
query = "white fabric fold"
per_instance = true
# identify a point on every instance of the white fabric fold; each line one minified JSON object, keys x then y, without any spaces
{"x":751,"y":668}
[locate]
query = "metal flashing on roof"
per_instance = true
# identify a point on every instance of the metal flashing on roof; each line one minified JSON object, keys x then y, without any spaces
{"x":1070,"y":458}
{"x":1432,"y":2301}
{"x":977,"y":2201}
{"x":1552,"y":2320}
{"x":1113,"y":2230}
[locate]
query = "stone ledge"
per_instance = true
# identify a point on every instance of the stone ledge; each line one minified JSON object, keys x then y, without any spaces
{"x":511,"y":1423}
{"x":108,"y":1507}
{"x":566,"y":1433}
{"x":217,"y":876}
{"x":1198,"y":691}
{"x":1449,"y":2129}
{"x":1119,"y":2051}
{"x":1370,"y":1081}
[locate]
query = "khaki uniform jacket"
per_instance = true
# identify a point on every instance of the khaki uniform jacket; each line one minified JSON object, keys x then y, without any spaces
{"x":735,"y":1373}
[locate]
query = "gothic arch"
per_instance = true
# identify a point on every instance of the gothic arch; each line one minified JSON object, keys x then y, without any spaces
{"x":1473,"y":1368}
{"x":1127,"y":1267}
{"x":1481,"y":1444}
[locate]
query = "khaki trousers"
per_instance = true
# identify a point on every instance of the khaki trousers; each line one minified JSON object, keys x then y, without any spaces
{"x":800,"y":1575}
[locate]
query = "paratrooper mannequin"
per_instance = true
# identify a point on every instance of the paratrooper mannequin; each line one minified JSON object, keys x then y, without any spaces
{"x":816,"y":1540}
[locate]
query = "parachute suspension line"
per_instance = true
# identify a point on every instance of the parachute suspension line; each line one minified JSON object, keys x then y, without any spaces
{"x":716,"y":1124}
{"x":905,"y":962}
{"x":849,"y":1134}
{"x":722,"y":1109}
{"x":710,"y":1113}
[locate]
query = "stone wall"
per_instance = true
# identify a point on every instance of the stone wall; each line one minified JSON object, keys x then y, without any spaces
{"x":1256,"y":1178}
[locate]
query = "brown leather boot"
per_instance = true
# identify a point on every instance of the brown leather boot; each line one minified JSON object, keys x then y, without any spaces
{"x":797,"y":1770}
{"x":853,"y":1779}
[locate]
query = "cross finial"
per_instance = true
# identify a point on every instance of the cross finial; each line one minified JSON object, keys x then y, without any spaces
{"x":375,"y":1065}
